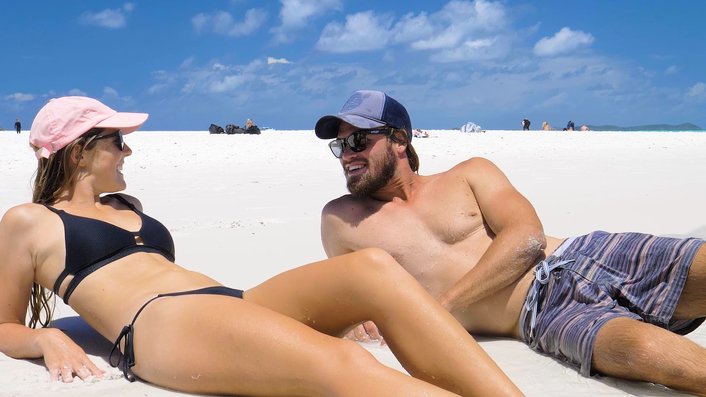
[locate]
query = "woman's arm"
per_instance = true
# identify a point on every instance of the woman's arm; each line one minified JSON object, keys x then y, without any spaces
{"x":61,"y":355}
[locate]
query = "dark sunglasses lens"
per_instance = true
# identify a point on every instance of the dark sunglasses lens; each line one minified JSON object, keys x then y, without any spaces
{"x":357,"y":141}
{"x":118,"y":140}
{"x":336,"y":147}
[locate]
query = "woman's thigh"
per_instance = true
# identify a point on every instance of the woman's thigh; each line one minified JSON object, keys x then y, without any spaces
{"x":221,"y":344}
{"x":337,"y":293}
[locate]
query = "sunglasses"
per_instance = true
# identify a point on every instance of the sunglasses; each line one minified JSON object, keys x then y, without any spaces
{"x":117,"y":139}
{"x":357,"y":141}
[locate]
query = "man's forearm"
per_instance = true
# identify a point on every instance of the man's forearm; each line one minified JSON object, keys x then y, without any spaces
{"x":507,"y":259}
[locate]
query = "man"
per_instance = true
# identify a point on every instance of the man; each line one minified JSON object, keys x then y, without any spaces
{"x":600,"y":301}
{"x":18,"y":126}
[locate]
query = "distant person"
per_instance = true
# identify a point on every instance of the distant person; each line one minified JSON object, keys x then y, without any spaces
{"x":546,"y":126}
{"x":251,"y":128}
{"x":570,"y":126}
{"x":18,"y":126}
{"x":525,"y":124}
{"x":585,"y":128}
{"x":420,"y":133}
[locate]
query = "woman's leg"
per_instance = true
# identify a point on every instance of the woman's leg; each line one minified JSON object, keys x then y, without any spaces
{"x":223,"y":345}
{"x":340,"y":292}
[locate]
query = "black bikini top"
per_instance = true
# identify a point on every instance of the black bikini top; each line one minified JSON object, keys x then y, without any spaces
{"x":92,"y":243}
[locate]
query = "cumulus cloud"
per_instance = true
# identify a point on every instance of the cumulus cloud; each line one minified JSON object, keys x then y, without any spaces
{"x":296,"y":14}
{"x":223,"y":23}
{"x":19,"y":97}
{"x":565,"y":40}
{"x":108,"y":18}
{"x":363,"y":31}
{"x":457,"y":23}
{"x":697,"y":92}
{"x":460,"y":31}
{"x":272,"y":61}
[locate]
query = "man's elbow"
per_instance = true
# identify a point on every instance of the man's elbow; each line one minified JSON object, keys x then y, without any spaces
{"x":535,"y":243}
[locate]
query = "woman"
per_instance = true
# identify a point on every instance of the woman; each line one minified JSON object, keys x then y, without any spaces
{"x":180,"y":329}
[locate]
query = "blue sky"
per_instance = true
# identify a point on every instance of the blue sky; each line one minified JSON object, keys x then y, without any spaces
{"x":285,"y":63}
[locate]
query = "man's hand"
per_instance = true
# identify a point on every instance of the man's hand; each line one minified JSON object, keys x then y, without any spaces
{"x":365,"y":332}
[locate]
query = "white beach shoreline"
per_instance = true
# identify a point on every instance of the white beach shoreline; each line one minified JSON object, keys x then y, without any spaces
{"x":242,"y":208}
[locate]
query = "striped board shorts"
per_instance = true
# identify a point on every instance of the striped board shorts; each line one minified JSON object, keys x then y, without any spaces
{"x":600,"y":276}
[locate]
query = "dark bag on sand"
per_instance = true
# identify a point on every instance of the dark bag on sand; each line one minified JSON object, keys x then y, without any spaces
{"x":232,"y":129}
{"x":215,"y":129}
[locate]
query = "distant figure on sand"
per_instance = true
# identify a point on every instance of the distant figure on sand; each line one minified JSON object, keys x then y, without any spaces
{"x":18,"y":126}
{"x":420,"y":134}
{"x":584,"y":127}
{"x":251,"y":128}
{"x":612,"y":304}
{"x":183,"y":330}
{"x":570,"y":126}
{"x":525,"y":124}
{"x":546,"y":126}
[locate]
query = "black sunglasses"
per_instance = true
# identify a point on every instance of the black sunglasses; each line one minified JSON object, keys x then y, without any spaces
{"x":357,"y":141}
{"x":117,"y":139}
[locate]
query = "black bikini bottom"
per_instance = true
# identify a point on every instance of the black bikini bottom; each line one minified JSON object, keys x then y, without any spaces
{"x":126,"y":359}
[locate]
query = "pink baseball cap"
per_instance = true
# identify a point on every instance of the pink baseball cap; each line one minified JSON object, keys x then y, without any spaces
{"x":62,"y":120}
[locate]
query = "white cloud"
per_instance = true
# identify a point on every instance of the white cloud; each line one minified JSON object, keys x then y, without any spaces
{"x":77,"y":92}
{"x":697,"y":91}
{"x":222,"y":22}
{"x":110,"y":92}
{"x":412,"y":27}
{"x":363,"y":31}
{"x":460,"y":31}
{"x":296,"y":14}
{"x":565,"y":40}
{"x":487,"y":48}
{"x":272,"y":61}
{"x":459,"y":22}
{"x":19,"y":97}
{"x":108,"y":18}
{"x":672,"y":69}
{"x":227,"y":83}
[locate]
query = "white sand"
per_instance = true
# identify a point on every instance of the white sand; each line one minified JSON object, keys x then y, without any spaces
{"x":243,"y":208}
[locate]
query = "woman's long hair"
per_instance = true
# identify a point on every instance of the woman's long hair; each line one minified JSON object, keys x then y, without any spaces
{"x":54,"y":176}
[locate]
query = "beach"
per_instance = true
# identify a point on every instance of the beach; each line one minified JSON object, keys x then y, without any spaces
{"x":243,"y":208}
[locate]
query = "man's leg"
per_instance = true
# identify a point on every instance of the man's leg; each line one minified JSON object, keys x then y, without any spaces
{"x":630,"y":349}
{"x":692,"y":303}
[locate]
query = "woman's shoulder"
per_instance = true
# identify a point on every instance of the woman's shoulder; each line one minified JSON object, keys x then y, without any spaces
{"x":25,"y":218}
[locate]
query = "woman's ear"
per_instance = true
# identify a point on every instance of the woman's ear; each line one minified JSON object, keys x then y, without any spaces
{"x":76,"y":154}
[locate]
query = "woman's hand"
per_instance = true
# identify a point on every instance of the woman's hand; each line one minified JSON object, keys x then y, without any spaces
{"x":64,"y":358}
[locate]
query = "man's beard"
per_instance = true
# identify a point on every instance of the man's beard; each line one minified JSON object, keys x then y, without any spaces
{"x":370,"y":182}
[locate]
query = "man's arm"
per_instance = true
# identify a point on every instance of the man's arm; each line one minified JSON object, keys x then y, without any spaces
{"x":518,"y":242}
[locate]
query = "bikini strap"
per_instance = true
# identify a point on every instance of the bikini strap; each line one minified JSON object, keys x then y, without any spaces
{"x":123,"y":200}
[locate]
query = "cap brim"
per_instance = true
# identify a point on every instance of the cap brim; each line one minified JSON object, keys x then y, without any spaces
{"x":126,"y":122}
{"x":327,"y":126}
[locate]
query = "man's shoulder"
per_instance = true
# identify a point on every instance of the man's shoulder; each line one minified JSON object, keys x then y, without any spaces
{"x":471,"y":164}
{"x":345,"y":202}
